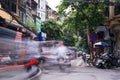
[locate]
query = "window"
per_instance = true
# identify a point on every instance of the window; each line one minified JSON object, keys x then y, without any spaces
{"x":38,"y":1}
{"x":13,"y":7}
{"x":41,"y":14}
{"x":22,"y":16}
{"x":38,"y":14}
{"x":38,"y":5}
{"x":41,"y":7}
{"x":10,"y":4}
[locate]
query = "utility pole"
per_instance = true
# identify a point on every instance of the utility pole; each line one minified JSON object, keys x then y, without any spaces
{"x":111,"y":9}
{"x":17,"y":7}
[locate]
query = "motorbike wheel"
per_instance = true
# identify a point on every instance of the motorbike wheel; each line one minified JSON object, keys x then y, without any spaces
{"x":107,"y":66}
{"x":89,"y":62}
{"x":61,"y":67}
{"x":69,"y":65}
{"x":61,"y":62}
{"x":99,"y":65}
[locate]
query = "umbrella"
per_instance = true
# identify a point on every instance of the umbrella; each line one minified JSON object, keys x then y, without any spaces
{"x":101,"y":44}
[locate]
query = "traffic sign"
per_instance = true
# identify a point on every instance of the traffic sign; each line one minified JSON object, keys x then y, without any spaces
{"x":93,"y":37}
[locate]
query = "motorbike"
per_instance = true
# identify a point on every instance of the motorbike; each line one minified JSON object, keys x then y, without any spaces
{"x":63,"y":63}
{"x":87,"y":59}
{"x":111,"y":61}
{"x":115,"y":61}
{"x":98,"y":62}
{"x":106,"y":61}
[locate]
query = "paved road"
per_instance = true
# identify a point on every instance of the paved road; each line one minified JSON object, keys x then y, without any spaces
{"x":9,"y":73}
{"x":19,"y":73}
{"x":73,"y":73}
{"x":80,"y":73}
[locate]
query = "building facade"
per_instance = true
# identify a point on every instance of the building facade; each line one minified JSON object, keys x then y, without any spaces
{"x":114,"y":28}
{"x":41,"y":9}
{"x":51,"y":14}
{"x":20,"y":13}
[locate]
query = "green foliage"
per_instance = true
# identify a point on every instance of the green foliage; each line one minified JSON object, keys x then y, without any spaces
{"x":82,"y":17}
{"x":52,"y":28}
{"x":117,"y":0}
{"x":62,"y":7}
{"x":89,"y":15}
{"x":31,"y":24}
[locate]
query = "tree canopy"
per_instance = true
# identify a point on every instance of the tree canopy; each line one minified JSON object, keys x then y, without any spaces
{"x":81,"y":17}
{"x":52,"y":28}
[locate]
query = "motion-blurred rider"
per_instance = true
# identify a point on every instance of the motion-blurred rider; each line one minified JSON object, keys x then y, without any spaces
{"x":62,"y":51}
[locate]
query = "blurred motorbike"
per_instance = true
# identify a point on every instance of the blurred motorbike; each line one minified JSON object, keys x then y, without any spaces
{"x":62,"y":62}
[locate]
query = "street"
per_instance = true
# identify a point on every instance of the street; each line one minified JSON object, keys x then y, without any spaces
{"x":59,"y":39}
{"x":53,"y":72}
{"x":10,"y":73}
{"x":81,"y":73}
{"x":19,"y":73}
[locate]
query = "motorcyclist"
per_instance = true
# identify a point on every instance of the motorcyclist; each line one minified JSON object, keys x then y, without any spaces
{"x":62,"y":51}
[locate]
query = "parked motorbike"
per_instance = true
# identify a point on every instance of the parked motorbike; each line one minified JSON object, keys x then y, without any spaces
{"x":115,"y":61}
{"x":106,"y":61}
{"x":98,"y":62}
{"x":87,"y":59}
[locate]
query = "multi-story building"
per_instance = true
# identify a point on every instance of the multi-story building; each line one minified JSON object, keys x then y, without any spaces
{"x":51,"y":14}
{"x":41,"y":9}
{"x":20,"y":13}
{"x":114,"y":27}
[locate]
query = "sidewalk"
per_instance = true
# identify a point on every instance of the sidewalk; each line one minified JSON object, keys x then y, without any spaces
{"x":78,"y":62}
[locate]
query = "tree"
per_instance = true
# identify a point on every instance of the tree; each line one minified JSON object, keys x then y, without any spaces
{"x":83,"y":18}
{"x":70,"y":33}
{"x":52,"y":28}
